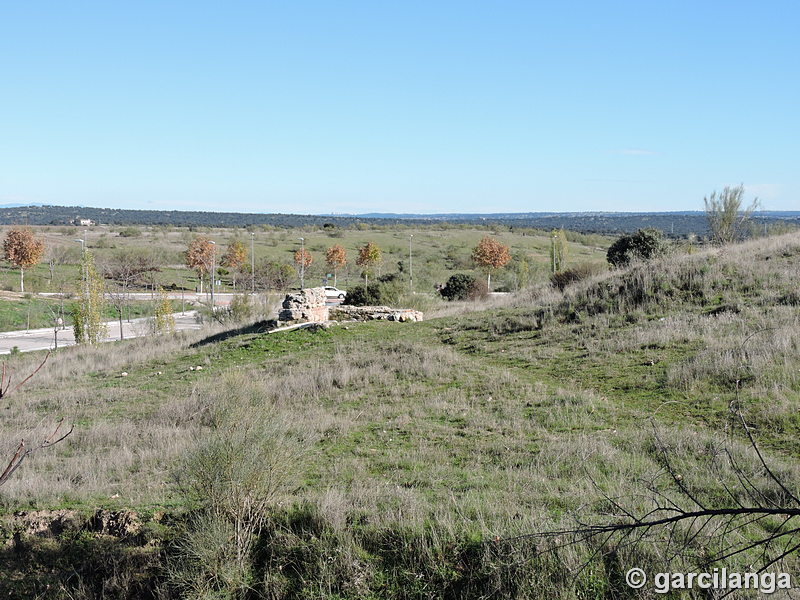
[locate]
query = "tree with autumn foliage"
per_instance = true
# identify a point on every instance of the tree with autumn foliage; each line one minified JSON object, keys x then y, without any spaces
{"x":336,"y":258}
{"x":199,"y":257}
{"x":303,"y":260}
{"x":369,"y":256}
{"x":490,"y":255}
{"x":233,"y":259}
{"x":24,"y":250}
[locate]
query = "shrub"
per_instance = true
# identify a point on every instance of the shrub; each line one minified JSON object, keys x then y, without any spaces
{"x":462,"y":286}
{"x":644,"y":244}
{"x":130,"y":232}
{"x":578,"y":273}
{"x":234,"y":474}
{"x":387,"y":290}
{"x":364,"y":295}
{"x":478,"y":290}
{"x":458,"y":287}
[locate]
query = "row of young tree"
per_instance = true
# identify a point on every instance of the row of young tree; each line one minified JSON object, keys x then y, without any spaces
{"x":201,"y":258}
{"x":489,"y":256}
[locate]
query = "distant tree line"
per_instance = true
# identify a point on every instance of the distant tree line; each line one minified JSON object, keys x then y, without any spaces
{"x":672,"y":224}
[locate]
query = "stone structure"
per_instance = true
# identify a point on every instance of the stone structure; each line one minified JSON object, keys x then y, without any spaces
{"x":374,"y":313}
{"x":305,"y":305}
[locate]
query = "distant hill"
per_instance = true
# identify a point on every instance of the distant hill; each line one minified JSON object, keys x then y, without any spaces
{"x":676,"y":223}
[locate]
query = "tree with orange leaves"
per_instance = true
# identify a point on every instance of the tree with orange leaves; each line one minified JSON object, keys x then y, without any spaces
{"x":369,"y":256}
{"x":336,"y":258}
{"x":199,"y":256}
{"x":303,"y":260}
{"x":23,"y":250}
{"x":234,"y":258}
{"x":490,"y":255}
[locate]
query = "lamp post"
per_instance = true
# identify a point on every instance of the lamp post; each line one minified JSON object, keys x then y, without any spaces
{"x":302,"y":262}
{"x":253,"y":262}
{"x":83,"y":260}
{"x":410,"y":265}
{"x":213,"y":275}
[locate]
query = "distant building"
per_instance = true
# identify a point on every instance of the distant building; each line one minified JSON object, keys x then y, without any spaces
{"x":82,"y":222}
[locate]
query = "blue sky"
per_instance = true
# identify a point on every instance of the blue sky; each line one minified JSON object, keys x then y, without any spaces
{"x":318,"y":107}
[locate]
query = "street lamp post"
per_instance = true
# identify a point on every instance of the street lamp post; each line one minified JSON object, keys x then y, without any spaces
{"x":302,"y":262}
{"x":410,"y":265}
{"x":213,"y":275}
{"x":84,"y":276}
{"x":253,"y":262}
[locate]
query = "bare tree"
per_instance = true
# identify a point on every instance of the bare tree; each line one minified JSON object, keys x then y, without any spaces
{"x":756,"y":521}
{"x":126,"y":268}
{"x":60,"y":255}
{"x":24,"y":450}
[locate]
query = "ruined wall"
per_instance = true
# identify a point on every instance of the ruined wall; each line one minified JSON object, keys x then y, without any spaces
{"x":305,"y":305}
{"x":374,"y":313}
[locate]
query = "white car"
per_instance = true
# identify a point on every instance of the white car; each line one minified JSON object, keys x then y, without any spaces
{"x":334,"y":293}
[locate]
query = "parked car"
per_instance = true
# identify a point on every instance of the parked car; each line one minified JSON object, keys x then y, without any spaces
{"x":332,"y":292}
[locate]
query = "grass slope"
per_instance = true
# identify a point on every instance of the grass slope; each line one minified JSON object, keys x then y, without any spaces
{"x":424,"y":443}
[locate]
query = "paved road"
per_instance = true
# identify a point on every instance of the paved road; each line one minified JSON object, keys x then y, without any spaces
{"x":43,"y":339}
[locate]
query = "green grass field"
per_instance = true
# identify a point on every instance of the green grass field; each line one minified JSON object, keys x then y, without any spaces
{"x":413,"y":456}
{"x":436,"y":253}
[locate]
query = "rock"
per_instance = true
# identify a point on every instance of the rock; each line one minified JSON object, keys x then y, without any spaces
{"x":305,"y":305}
{"x":379,"y":313}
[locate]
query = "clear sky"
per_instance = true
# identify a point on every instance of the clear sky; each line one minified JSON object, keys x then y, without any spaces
{"x":435,"y":106}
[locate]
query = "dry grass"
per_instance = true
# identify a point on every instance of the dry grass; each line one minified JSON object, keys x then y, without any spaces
{"x":419,"y":451}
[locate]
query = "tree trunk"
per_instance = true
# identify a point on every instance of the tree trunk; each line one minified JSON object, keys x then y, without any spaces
{"x":334,"y":278}
{"x":489,"y":282}
{"x":22,"y":280}
{"x":119,"y":311}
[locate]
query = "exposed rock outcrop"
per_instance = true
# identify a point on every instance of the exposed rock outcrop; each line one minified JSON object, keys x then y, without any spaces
{"x":374,"y":313}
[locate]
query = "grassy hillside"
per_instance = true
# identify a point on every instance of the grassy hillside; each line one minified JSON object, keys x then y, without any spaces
{"x":420,"y":452}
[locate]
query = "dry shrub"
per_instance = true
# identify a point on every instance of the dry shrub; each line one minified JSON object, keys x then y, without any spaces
{"x":234,"y":473}
{"x":578,"y":273}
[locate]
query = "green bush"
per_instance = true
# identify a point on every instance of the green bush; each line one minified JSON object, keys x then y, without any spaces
{"x":644,"y":245}
{"x":387,"y":290}
{"x":361,"y":295}
{"x":462,"y":286}
{"x":458,"y":287}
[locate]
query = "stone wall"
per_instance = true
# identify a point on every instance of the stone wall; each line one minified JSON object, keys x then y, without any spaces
{"x":305,"y":305}
{"x":374,"y":313}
